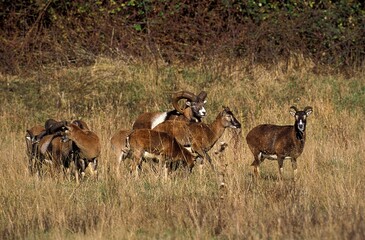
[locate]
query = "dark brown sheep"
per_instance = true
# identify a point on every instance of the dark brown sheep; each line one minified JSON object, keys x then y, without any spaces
{"x":194,"y":111}
{"x":148,"y":143}
{"x":88,"y":148}
{"x":279,"y":142}
{"x":201,"y":137}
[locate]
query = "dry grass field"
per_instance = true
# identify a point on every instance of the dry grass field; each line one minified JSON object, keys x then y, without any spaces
{"x":327,"y":201}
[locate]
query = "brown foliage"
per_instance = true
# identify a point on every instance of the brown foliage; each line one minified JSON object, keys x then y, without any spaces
{"x":75,"y":33}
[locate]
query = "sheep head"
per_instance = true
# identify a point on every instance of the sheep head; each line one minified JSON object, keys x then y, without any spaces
{"x":300,"y":117}
{"x":195,"y":103}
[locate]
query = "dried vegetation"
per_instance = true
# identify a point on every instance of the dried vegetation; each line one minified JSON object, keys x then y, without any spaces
{"x":325,"y":202}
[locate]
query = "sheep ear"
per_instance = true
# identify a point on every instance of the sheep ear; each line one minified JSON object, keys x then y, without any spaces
{"x":188,"y":103}
{"x":293,"y":110}
{"x":30,"y":134}
{"x":308,"y":110}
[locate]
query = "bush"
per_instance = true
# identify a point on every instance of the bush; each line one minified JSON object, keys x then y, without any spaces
{"x":63,"y":33}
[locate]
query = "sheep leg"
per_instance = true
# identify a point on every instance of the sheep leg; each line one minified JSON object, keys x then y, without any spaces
{"x":135,"y":165}
{"x":94,"y":168}
{"x":209,"y":160}
{"x":281,"y":164}
{"x":173,"y":166}
{"x":199,"y":161}
{"x":190,"y":166}
{"x":203,"y":153}
{"x":33,"y":157}
{"x":39,"y":166}
{"x":76,"y":172}
{"x":67,"y":174}
{"x":82,"y":167}
{"x":124,"y":154}
{"x":137,"y":162}
{"x":294,"y":166}
{"x":256,"y":170}
{"x":166,"y":169}
{"x":31,"y":165}
{"x":77,"y":177}
{"x":256,"y":163}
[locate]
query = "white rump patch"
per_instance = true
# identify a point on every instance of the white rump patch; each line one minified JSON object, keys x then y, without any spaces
{"x":45,"y":145}
{"x":158,"y":119}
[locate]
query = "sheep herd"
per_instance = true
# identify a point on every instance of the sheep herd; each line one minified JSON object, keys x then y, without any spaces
{"x":173,"y":138}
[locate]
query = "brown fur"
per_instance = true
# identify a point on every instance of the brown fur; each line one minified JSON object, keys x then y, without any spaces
{"x":159,"y":144}
{"x":120,"y":144}
{"x":145,"y":120}
{"x":87,"y":141}
{"x":186,"y":116}
{"x":191,"y":112}
{"x":32,"y":147}
{"x":49,"y":147}
{"x":30,"y":138}
{"x":58,"y":151}
{"x":267,"y":141}
{"x":200,"y":136}
{"x":52,"y":126}
{"x":81,"y":124}
{"x":88,"y":147}
{"x":34,"y":131}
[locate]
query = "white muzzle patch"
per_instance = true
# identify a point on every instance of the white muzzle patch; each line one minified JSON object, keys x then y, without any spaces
{"x":202,"y":112}
{"x":301,"y":125}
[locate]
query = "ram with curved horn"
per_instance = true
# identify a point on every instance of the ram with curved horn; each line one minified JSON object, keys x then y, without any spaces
{"x":200,"y":137}
{"x":194,"y":111}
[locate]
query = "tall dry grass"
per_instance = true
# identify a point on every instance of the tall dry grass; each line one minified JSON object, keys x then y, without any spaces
{"x":327,"y":201}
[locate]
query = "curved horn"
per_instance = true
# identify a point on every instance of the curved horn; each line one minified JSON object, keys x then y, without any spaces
{"x":293,"y":110}
{"x":182,"y":95}
{"x":202,"y":95}
{"x":308,"y":110}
